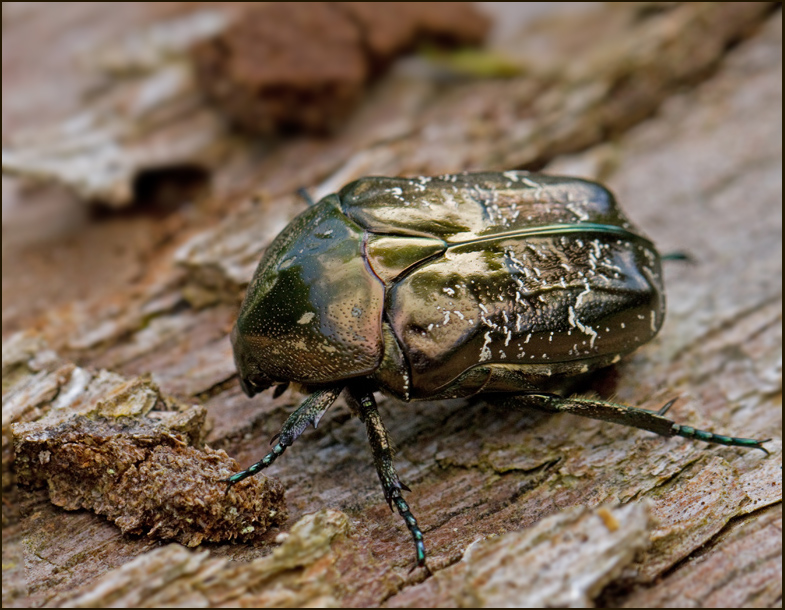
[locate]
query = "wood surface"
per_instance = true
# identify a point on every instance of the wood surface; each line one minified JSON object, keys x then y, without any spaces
{"x":121,"y":308}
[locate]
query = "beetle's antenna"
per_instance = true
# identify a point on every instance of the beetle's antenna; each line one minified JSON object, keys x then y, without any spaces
{"x":678,"y":255}
{"x":306,"y":197}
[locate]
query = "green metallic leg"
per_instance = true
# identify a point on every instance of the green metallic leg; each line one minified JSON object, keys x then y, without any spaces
{"x":310,"y":412}
{"x":364,"y":404}
{"x":653,"y":421}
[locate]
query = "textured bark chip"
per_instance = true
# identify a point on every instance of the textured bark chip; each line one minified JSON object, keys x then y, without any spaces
{"x":294,"y":66}
{"x":146,"y":479}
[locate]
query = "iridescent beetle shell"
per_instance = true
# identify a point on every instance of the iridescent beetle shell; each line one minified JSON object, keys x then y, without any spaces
{"x":450,"y":286}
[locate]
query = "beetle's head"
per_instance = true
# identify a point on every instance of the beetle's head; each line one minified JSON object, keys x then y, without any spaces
{"x":252,"y":378}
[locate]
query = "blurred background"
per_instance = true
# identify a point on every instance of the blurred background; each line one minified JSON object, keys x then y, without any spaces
{"x":151,"y":152}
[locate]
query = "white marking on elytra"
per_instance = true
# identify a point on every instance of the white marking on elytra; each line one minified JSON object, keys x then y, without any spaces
{"x":511,"y":176}
{"x":579,"y":298}
{"x":578,"y":211}
{"x":653,"y":321}
{"x":485,"y":352}
{"x":306,"y":317}
{"x":397,"y":192}
{"x":575,"y":322}
{"x":616,"y":358}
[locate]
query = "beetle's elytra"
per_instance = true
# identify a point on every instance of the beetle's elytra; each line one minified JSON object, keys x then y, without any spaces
{"x":450,"y":286}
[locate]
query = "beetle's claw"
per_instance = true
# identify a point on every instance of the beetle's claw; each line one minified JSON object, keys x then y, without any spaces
{"x":762,"y":448}
{"x":420,"y":563}
{"x":275,"y":438}
{"x":404,"y":486}
{"x":666,"y":407}
{"x":230,"y":482}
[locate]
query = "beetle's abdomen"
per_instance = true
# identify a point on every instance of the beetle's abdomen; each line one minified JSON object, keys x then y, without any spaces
{"x":313,"y":311}
{"x":548,"y":299}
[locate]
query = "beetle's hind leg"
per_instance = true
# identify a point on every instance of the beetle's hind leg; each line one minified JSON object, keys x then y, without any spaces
{"x":653,"y":421}
{"x":310,"y":412}
{"x":363,"y":403}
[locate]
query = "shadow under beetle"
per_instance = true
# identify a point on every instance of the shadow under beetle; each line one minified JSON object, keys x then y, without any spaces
{"x":445,"y":287}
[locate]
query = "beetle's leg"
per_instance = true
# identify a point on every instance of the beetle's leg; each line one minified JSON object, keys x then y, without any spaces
{"x":653,"y":421}
{"x":310,"y":412}
{"x":364,"y":404}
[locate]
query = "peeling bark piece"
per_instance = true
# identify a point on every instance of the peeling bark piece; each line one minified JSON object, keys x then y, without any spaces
{"x":42,"y":391}
{"x":285,"y":66}
{"x":289,"y":66}
{"x":146,"y":479}
{"x":391,"y":28}
{"x":156,"y":122}
{"x":120,"y":448}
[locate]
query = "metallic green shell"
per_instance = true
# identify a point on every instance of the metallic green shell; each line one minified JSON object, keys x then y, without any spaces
{"x":536,"y":272}
{"x":451,"y":285}
{"x":312,"y":313}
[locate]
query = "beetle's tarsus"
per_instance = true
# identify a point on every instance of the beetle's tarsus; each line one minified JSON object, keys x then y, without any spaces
{"x":364,"y":405}
{"x":719,"y":439}
{"x":313,"y":407}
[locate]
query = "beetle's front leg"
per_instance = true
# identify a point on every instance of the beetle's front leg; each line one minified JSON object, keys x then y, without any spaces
{"x":310,"y":412}
{"x":653,"y":421}
{"x":363,"y":403}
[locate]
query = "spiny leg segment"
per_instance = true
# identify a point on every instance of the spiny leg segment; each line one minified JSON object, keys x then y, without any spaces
{"x":363,"y":402}
{"x":310,"y":412}
{"x":653,"y":421}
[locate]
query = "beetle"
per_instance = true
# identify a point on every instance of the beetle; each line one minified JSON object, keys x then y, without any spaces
{"x":446,"y":287}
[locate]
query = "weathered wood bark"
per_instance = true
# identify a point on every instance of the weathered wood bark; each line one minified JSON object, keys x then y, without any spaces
{"x":677,"y":107}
